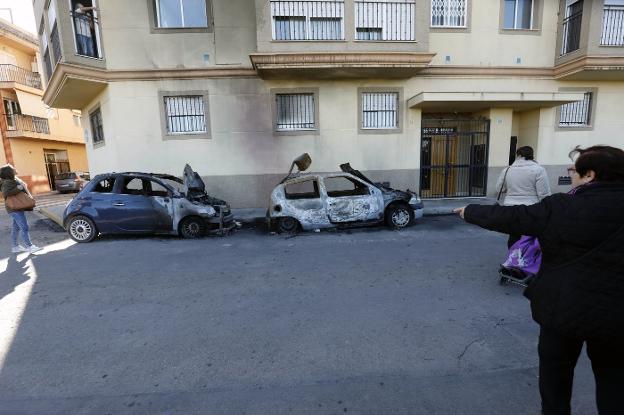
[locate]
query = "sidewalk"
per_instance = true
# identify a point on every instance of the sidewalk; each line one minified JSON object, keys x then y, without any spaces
{"x":254,"y":215}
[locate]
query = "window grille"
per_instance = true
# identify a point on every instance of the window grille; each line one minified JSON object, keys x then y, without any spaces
{"x":97,"y":126}
{"x":380,"y":110}
{"x":185,"y":114}
{"x":295,"y":112}
{"x":448,"y":13}
{"x":576,"y":114}
{"x":308,"y":20}
{"x":394,"y":20}
{"x":368,"y":33}
{"x":613,"y":24}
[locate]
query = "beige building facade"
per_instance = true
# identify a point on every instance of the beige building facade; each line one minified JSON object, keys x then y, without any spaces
{"x":431,"y":95}
{"x":38,"y":140}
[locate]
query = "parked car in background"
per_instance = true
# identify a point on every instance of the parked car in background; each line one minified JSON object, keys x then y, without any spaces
{"x":71,"y":182}
{"x":146,"y":203}
{"x":316,"y":201}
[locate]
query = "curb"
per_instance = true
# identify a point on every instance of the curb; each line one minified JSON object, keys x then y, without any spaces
{"x":52,"y":216}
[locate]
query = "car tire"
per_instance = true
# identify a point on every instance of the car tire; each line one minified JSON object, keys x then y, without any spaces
{"x":192,"y":227}
{"x":287,"y":225}
{"x":399,"y":216}
{"x":81,"y":229}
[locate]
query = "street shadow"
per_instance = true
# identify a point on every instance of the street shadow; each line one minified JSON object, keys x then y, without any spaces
{"x":13,"y":276}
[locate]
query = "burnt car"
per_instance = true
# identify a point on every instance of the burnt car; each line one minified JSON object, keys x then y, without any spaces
{"x":317,"y":201}
{"x":146,"y":203}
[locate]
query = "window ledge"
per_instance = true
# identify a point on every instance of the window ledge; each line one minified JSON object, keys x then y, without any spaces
{"x":532,"y":32}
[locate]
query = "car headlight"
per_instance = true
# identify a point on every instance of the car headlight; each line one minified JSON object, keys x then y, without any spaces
{"x":414,"y":200}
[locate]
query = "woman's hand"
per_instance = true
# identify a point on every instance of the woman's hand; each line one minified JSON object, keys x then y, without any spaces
{"x":460,"y":211}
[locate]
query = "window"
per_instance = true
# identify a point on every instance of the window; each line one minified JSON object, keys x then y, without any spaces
{"x":295,"y":112}
{"x":577,"y":114}
{"x":380,"y":110}
{"x":185,"y":114}
{"x":341,"y":186}
{"x":181,"y":14}
{"x":308,"y":20}
{"x":104,"y":185}
{"x":613,"y":23}
{"x":518,"y":14}
{"x":385,"y":20}
{"x":302,"y":190}
{"x":448,"y":13}
{"x":76,"y":120}
{"x":368,"y":33}
{"x":133,"y":186}
{"x":156,"y":189}
{"x":97,"y":126}
{"x":11,"y":109}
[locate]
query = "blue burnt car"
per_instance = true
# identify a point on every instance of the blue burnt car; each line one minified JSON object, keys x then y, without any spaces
{"x":146,"y":203}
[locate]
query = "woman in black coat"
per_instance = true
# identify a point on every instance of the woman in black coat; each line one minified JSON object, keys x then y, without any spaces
{"x":578,"y":295}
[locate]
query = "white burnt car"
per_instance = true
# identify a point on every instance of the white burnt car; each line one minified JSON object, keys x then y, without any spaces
{"x":317,"y":201}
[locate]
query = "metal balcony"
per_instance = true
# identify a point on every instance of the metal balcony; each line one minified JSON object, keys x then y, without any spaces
{"x":12,"y":73}
{"x":27,"y":123}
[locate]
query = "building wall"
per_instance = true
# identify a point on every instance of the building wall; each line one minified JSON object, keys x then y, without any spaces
{"x":30,"y":163}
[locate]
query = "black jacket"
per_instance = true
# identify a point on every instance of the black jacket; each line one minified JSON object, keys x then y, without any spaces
{"x":580,"y":287}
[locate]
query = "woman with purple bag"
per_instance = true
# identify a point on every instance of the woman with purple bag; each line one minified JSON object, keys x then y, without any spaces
{"x":577,"y":296}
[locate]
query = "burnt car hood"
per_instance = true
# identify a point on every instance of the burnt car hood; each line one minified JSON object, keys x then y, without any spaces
{"x":346,"y":167}
{"x":196,"y":188}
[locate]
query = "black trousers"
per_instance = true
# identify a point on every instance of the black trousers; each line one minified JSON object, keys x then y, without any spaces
{"x":558,"y":355}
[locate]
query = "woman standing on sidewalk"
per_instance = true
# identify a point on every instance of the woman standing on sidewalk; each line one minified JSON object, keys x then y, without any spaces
{"x":578,"y":294}
{"x":12,"y":185}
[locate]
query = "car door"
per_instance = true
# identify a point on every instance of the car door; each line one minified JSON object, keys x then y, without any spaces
{"x":351,"y":200}
{"x":161,"y":199}
{"x":98,"y":203}
{"x":302,"y":200}
{"x":132,"y":207}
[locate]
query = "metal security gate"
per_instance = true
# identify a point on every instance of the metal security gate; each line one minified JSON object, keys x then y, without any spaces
{"x":454,"y":157}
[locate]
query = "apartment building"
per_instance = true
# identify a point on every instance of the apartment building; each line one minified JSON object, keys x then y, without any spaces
{"x":39,"y":141}
{"x":431,"y":95}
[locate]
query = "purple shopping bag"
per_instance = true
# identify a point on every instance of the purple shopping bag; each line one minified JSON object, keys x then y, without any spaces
{"x":525,"y":255}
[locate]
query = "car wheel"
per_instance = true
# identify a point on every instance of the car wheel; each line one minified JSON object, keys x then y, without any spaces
{"x":399,"y":216}
{"x":192,"y":228}
{"x":287,"y":225}
{"x":81,"y":229}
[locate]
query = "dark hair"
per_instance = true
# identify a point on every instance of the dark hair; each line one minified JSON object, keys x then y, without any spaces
{"x":606,"y":161}
{"x":7,"y":172}
{"x":526,"y":152}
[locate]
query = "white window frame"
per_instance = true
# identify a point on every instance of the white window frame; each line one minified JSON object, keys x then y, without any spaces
{"x":313,"y":108}
{"x":447,"y":16}
{"x":398,"y":110}
{"x":587,"y":104}
{"x":186,"y":120}
{"x":307,"y":11}
{"x":159,"y":25}
{"x":532,"y":22}
{"x":167,"y":134}
{"x":391,"y":31}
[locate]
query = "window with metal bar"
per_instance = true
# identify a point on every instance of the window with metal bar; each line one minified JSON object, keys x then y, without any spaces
{"x":185,"y":114}
{"x":448,"y":13}
{"x":308,"y":20}
{"x":613,"y":23}
{"x":390,"y":20}
{"x":97,"y":126}
{"x":380,"y":110}
{"x":577,"y":114}
{"x":295,"y":112}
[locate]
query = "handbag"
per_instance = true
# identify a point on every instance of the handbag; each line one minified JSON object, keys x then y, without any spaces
{"x":500,"y":192}
{"x":20,"y":202}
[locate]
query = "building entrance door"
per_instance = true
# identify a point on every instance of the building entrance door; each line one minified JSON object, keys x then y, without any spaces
{"x":54,"y":165}
{"x":454,"y":157}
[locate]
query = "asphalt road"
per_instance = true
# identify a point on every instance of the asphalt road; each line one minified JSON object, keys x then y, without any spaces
{"x":367,"y":321}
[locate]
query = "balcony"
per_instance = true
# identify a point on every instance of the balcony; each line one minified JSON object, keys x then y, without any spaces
{"x":591,"y":42}
{"x":329,"y":39}
{"x":20,"y":125}
{"x":12,"y":73}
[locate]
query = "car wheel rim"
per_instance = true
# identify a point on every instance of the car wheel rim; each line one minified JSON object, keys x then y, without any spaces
{"x":191,"y":229}
{"x":400,"y":218}
{"x":288,"y":224}
{"x":80,"y":229}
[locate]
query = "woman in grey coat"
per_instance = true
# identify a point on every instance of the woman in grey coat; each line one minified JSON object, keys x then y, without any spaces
{"x":525,"y":182}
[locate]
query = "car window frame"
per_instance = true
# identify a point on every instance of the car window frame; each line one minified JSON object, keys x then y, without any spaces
{"x":94,"y":182}
{"x":170,"y":191}
{"x":315,"y":184}
{"x":351,"y":178}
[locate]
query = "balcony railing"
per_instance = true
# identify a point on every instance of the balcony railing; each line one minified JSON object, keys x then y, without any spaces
{"x":571,"y":32}
{"x":86,"y":30}
{"x":20,"y":122}
{"x":385,"y":20}
{"x":612,"y":26}
{"x":12,"y":73}
{"x":308,"y":20}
